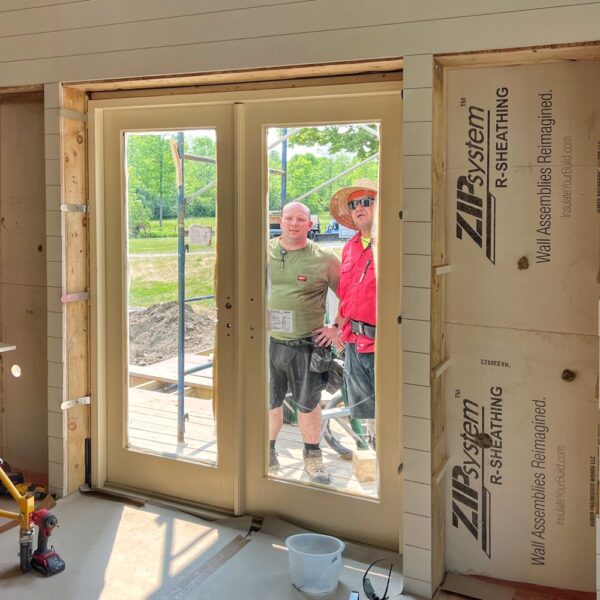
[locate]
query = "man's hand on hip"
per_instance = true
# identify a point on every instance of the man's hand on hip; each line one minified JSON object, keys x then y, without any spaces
{"x":328,"y":335}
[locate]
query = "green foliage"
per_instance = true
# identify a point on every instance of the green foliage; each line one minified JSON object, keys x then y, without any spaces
{"x":199,"y":175}
{"x":153,"y":245}
{"x":316,"y":155}
{"x":338,"y":138}
{"x":138,"y":218}
{"x":320,"y":154}
{"x":201,"y":207}
{"x":307,"y":171}
{"x":151,"y":175}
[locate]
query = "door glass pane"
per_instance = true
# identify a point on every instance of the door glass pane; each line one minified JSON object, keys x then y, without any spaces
{"x":170,"y":292}
{"x":321,"y":348}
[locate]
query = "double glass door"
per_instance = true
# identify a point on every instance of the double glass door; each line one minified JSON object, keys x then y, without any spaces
{"x":189,"y":196}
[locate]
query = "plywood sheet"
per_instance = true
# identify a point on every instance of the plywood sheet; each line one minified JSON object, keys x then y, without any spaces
{"x":522,"y":445}
{"x":522,"y":196}
{"x":25,"y":410}
{"x":22,"y":193}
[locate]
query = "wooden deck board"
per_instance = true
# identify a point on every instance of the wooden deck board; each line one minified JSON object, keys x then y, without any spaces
{"x":166,"y":371}
{"x":153,"y":428}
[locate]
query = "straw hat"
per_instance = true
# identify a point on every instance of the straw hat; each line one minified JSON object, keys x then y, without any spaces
{"x":338,"y":205}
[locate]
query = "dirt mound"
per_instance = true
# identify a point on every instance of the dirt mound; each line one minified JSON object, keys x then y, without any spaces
{"x":153,"y":332}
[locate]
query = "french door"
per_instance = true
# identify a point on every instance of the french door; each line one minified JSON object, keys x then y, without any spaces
{"x":190,"y":419}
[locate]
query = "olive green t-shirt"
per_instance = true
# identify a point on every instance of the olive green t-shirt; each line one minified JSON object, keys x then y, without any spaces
{"x":298,"y":284}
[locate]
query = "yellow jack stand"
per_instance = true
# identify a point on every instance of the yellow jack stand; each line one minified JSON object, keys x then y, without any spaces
{"x":26,"y":505}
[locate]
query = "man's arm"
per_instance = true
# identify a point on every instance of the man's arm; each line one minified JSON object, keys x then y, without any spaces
{"x":329,"y":335}
{"x":333,"y":273}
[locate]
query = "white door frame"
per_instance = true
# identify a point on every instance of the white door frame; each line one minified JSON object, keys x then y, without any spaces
{"x":249,"y":313}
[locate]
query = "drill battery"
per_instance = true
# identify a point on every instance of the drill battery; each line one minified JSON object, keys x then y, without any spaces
{"x":48,"y":563}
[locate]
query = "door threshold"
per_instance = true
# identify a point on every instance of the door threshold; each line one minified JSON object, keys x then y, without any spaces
{"x":140,"y":498}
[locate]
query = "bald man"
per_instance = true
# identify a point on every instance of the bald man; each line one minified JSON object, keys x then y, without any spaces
{"x":300,"y":273}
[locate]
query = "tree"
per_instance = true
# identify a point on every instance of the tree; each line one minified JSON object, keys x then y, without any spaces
{"x":138,"y":217}
{"x":307,"y":171}
{"x":321,"y":154}
{"x":197,"y":175}
{"x":151,"y":173}
{"x":353,"y":139}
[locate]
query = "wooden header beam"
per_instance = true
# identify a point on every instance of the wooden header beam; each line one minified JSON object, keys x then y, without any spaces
{"x":364,"y":67}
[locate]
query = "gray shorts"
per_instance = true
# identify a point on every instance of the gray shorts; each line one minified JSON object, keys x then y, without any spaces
{"x":359,"y":377}
{"x":289,"y":365}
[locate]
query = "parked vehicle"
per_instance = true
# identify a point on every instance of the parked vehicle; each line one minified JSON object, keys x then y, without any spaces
{"x":344,"y":233}
{"x":275,"y":229}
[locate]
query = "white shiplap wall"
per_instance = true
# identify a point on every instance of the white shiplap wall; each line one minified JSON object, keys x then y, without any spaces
{"x":45,"y":41}
{"x":96,"y":39}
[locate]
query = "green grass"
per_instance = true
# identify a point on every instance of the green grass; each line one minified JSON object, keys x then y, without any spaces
{"x":163,"y":246}
{"x":155,"y":280}
{"x":169,"y":228}
{"x":152,"y":245}
{"x":167,"y":243}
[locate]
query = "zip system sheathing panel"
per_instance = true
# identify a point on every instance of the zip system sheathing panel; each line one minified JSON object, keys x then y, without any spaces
{"x":521,"y":309}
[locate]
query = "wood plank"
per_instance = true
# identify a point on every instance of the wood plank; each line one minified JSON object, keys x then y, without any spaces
{"x":152,"y":427}
{"x":22,"y":94}
{"x":39,"y":16}
{"x":487,"y":31}
{"x":152,"y":422}
{"x":43,"y":16}
{"x":76,"y":260}
{"x":174,"y":28}
{"x":170,"y":438}
{"x":166,"y":371}
{"x":168,"y":409}
{"x":187,"y":30}
{"x":163,"y":398}
{"x":149,"y":415}
{"x":438,"y":331}
{"x":174,"y":451}
{"x":143,"y":88}
{"x":522,"y":56}
{"x":7,"y":6}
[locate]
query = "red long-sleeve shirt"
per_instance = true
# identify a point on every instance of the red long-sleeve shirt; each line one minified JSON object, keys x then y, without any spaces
{"x":357,"y":291}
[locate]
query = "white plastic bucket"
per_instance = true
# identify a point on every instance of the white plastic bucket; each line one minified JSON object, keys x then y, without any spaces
{"x":315,"y":562}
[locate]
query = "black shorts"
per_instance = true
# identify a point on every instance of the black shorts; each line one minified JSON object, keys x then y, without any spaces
{"x":289,"y":364}
{"x":359,"y":377}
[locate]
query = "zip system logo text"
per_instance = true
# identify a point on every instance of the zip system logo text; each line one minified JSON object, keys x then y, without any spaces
{"x":475,"y":202}
{"x":482,"y":461}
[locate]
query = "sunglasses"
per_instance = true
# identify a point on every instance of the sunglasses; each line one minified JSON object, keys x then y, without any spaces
{"x":365,"y":201}
{"x":368,"y":586}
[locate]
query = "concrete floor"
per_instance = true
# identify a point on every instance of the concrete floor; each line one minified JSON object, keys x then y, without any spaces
{"x":117,"y":551}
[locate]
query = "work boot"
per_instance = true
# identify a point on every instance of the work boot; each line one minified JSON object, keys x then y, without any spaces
{"x":313,"y":465}
{"x":273,"y":460}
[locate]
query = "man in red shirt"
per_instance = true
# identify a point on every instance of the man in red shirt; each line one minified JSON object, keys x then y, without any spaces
{"x":354,"y":207}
